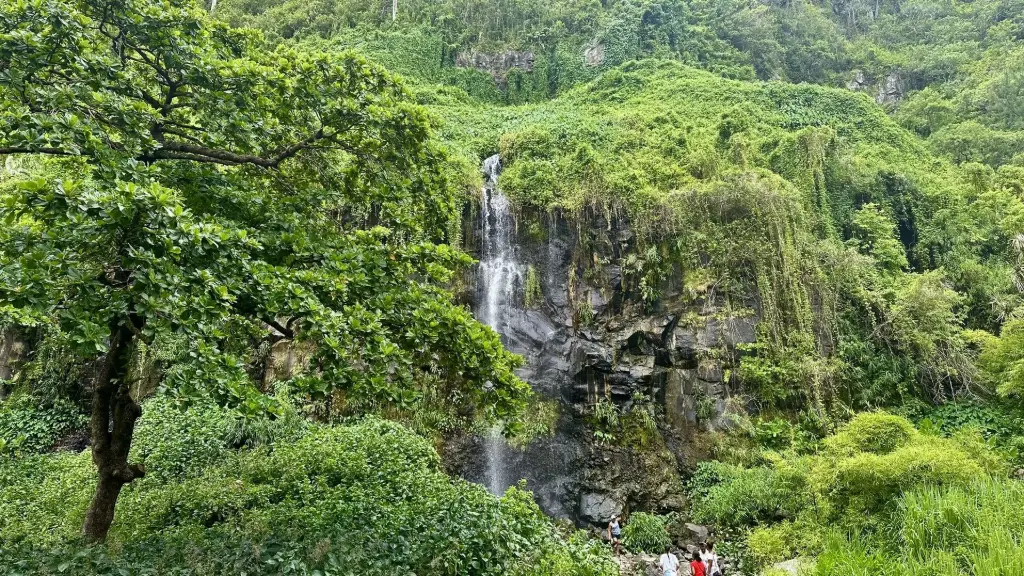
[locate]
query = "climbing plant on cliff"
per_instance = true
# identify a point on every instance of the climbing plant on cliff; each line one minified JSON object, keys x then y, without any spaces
{"x":201,"y":188}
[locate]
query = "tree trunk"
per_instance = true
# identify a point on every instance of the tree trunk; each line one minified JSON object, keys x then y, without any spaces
{"x":112,"y":424}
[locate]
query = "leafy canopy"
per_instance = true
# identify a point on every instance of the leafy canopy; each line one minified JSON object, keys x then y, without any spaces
{"x":204,"y":188}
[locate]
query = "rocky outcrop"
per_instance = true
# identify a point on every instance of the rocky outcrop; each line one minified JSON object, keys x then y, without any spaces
{"x":12,"y":352}
{"x":891,"y":89}
{"x":859,"y":82}
{"x":498,"y":64}
{"x":590,"y":340}
{"x":887,"y":91}
{"x":594,"y":55}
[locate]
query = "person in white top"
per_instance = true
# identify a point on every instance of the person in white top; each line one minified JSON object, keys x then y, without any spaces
{"x":710,"y":559}
{"x":669,"y":563}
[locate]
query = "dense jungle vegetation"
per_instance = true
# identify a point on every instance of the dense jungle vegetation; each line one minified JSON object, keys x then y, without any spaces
{"x":186,"y":187}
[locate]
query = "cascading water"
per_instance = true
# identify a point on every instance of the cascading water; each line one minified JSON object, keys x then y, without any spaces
{"x":499,"y":272}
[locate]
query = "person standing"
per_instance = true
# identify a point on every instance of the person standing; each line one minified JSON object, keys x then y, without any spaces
{"x":697,"y":567}
{"x":669,"y":563}
{"x":710,"y":559}
{"x":615,"y":533}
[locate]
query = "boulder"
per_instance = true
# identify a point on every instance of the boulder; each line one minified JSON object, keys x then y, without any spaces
{"x":699,"y":533}
{"x":599,"y":508}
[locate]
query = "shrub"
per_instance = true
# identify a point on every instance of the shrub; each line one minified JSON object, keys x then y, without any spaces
{"x":176,"y":442}
{"x":867,"y":481}
{"x":732,"y":496}
{"x":646,"y":533}
{"x":771,"y":544}
{"x":367,"y":498}
{"x":31,"y":424}
{"x":874,"y":432}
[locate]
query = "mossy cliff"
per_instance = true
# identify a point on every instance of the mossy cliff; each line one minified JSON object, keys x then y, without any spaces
{"x":703,"y":250}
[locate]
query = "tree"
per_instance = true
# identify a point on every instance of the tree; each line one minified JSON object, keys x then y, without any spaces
{"x":204,"y":189}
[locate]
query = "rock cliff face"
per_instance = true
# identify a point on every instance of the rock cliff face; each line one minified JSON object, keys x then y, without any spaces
{"x":887,"y":91}
{"x":498,"y":64}
{"x":12,"y":352}
{"x":587,"y":340}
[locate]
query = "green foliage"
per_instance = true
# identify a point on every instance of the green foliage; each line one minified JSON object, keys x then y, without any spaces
{"x":31,"y":424}
{"x":780,"y":434}
{"x":533,"y":294}
{"x":875,"y":432}
{"x":604,"y":417}
{"x":705,"y":404}
{"x":646,"y":533}
{"x":999,"y":424}
{"x":175,"y":442}
{"x":539,"y":422}
{"x":1002,"y":359}
{"x":43,"y":499}
{"x":874,"y":235}
{"x":729,"y":495}
{"x":941,"y":531}
{"x":339,"y":500}
{"x":770,"y":544}
{"x":851,"y":481}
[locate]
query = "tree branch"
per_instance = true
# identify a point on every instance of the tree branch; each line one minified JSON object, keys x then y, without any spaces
{"x":288,"y":332}
{"x":183,"y":151}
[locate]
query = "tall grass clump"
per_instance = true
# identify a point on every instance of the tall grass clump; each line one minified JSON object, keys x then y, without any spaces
{"x":972,"y":529}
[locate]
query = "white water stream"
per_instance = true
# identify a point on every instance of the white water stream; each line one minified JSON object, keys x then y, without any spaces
{"x":499,"y":272}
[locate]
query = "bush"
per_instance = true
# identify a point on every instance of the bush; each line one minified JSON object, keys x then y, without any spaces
{"x":646,"y":533}
{"x":728,"y":495}
{"x":867,"y":482}
{"x":176,"y":442}
{"x":852,"y":482}
{"x":874,"y":432}
{"x":771,"y":544}
{"x":31,"y":424}
{"x":368,"y":498}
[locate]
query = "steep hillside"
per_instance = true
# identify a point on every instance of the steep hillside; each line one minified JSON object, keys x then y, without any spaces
{"x":302,"y":275}
{"x":948,"y":70}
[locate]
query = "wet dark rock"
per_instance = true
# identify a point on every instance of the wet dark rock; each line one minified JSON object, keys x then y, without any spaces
{"x":675,"y":353}
{"x":709,"y":371}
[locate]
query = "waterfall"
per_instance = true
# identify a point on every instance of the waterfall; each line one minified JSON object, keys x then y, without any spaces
{"x":499,"y":270}
{"x":498,"y":274}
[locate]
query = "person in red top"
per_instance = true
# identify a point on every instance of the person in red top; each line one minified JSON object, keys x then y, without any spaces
{"x":697,"y":567}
